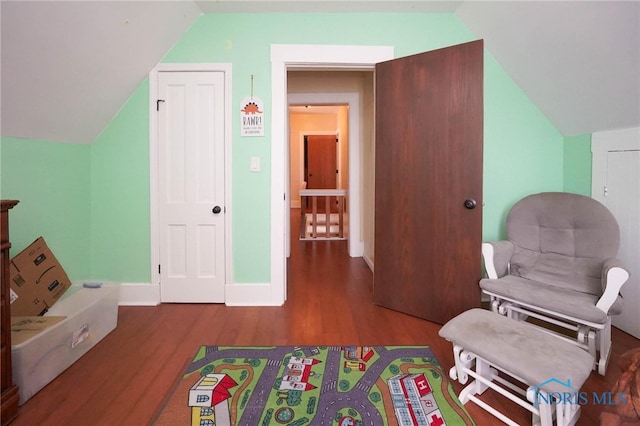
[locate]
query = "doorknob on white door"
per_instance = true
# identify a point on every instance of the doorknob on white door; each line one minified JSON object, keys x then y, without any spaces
{"x":216,"y":210}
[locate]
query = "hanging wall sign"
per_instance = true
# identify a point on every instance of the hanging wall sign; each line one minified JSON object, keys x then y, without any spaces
{"x":251,"y":117}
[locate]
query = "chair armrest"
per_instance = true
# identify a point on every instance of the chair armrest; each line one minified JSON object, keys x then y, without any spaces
{"x":496,"y":255}
{"x":614,"y":275}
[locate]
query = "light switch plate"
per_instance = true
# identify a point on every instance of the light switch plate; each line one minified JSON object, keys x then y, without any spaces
{"x":254,"y":164}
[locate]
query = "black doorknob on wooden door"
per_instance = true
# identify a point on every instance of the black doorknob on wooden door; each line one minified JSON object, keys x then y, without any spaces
{"x":470,"y":203}
{"x":216,"y":210}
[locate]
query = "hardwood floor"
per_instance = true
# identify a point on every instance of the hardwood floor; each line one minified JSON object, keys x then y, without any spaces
{"x":124,"y":379}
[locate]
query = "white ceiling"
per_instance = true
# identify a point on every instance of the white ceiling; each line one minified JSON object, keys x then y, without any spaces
{"x":578,"y":61}
{"x":62,"y":79}
{"x":62,"y":69}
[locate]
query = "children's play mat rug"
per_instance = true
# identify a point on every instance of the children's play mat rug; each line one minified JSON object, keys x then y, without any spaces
{"x":313,"y":385}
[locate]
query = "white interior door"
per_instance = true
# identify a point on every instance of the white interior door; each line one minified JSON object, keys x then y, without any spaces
{"x":191,"y":186}
{"x":623,"y":199}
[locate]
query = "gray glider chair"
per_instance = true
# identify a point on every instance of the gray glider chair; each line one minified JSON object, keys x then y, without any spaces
{"x":559,"y":265}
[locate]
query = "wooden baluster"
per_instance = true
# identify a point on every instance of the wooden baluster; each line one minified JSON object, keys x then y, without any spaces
{"x":314,"y":216}
{"x":327,"y":219}
{"x":303,"y":217}
{"x":340,"y":217}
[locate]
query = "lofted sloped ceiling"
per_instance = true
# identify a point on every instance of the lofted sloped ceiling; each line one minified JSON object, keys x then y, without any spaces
{"x":578,"y":61}
{"x":67,"y":67}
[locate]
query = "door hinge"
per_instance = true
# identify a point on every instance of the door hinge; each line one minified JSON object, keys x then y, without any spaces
{"x":158,"y":104}
{"x":158,"y":268}
{"x":605,"y":191}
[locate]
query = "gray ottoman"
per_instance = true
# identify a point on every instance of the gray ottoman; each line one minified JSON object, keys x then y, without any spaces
{"x":550,"y":370}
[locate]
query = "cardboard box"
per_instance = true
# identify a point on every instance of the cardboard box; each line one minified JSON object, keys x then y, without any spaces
{"x":24,"y":328}
{"x":28,"y":302}
{"x":37,"y":280}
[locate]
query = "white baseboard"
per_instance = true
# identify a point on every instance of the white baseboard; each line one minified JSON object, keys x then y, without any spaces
{"x":139,"y":294}
{"x":146,"y":294}
{"x":368,"y":261}
{"x":131,"y":294}
{"x":261,"y":294}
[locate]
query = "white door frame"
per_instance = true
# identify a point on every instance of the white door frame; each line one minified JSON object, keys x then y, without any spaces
{"x":153,"y":160}
{"x":301,"y":56}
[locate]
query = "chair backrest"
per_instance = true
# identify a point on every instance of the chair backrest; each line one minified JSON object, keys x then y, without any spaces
{"x":562,"y":240}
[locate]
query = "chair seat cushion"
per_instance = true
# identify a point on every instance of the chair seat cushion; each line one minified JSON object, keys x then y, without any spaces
{"x":520,"y":348}
{"x":562,"y":239}
{"x":564,"y":301}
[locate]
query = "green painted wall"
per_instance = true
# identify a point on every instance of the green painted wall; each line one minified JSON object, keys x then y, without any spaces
{"x":577,"y":165}
{"x":245,"y":41}
{"x":120,"y":248}
{"x":51,"y":180}
{"x":523,"y":151}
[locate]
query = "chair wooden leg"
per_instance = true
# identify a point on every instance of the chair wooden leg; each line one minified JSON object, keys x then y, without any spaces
{"x":544,"y":417}
{"x":495,"y":304}
{"x":603,"y":338}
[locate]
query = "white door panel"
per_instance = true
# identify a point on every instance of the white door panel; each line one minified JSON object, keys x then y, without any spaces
{"x":623,"y":199}
{"x":191,"y":184}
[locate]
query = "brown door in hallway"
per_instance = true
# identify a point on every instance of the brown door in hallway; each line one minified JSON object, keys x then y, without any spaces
{"x":428,"y":207}
{"x":321,"y":163}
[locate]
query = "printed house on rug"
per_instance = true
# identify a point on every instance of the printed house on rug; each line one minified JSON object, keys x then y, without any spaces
{"x":208,"y":400}
{"x":414,"y":401}
{"x":297,"y":374}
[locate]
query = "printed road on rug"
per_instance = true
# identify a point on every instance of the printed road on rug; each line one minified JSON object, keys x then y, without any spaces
{"x":313,"y":385}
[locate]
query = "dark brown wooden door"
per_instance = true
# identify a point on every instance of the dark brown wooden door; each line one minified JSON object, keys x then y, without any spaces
{"x":429,"y":135}
{"x":321,"y":161}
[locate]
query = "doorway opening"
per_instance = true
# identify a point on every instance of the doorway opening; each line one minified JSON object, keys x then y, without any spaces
{"x":325,"y":105}
{"x":285,"y":60}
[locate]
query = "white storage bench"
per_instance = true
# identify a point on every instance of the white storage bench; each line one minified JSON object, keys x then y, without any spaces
{"x":551,"y":371}
{"x":91,"y":313}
